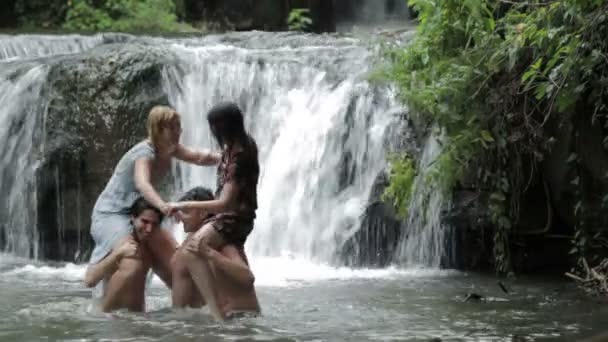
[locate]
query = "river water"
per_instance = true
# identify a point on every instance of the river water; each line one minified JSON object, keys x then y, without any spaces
{"x":323,"y":129}
{"x":303,"y":301}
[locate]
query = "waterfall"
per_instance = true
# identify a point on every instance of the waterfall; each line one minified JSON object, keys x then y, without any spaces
{"x":29,"y":46}
{"x":320,"y":129}
{"x":425,"y":242}
{"x":21,"y":105}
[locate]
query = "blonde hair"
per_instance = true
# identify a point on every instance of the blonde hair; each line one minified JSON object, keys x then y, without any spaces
{"x":159,"y":116}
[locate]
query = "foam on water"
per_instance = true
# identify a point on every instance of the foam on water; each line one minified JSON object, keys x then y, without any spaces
{"x":282,"y":271}
{"x":69,"y":272}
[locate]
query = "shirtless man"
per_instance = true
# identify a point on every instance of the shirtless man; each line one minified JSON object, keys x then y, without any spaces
{"x":228,"y":268}
{"x":124,"y":270}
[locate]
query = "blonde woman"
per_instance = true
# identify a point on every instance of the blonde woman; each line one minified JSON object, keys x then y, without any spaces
{"x":135,"y":175}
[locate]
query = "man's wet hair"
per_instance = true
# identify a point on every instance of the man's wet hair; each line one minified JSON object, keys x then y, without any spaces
{"x":140,"y":205}
{"x":198,"y":193}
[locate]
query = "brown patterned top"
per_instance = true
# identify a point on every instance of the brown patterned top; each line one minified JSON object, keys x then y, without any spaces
{"x":242,"y":167}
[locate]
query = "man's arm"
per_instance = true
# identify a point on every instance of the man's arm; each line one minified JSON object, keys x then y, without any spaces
{"x":96,"y":272}
{"x":232,"y":264}
{"x":203,"y":158}
{"x":225,"y":201}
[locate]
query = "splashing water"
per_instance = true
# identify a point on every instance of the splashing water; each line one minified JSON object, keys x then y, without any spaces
{"x":320,"y":133}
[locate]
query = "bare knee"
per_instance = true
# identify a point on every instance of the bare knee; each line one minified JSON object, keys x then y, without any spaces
{"x":179,"y":263}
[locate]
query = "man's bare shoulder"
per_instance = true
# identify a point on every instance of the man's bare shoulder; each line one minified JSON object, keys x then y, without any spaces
{"x":235,"y":253}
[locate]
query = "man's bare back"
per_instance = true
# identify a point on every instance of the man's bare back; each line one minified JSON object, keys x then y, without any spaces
{"x":230,"y":272}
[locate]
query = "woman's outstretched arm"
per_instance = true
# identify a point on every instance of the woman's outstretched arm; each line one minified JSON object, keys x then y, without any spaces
{"x":202,"y":157}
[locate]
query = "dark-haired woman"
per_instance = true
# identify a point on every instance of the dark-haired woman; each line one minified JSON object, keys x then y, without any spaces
{"x":235,"y":200}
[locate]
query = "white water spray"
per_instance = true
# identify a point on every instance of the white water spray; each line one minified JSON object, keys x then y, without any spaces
{"x":320,"y":136}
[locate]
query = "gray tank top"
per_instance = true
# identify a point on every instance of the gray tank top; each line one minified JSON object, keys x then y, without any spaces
{"x":120,"y":192}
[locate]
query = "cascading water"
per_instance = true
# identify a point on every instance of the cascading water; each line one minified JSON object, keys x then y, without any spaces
{"x":425,"y":243}
{"x":320,"y":127}
{"x":16,"y":47}
{"x":21,"y":105}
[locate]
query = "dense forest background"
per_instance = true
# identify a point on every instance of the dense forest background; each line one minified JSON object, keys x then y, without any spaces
{"x":174,"y":15}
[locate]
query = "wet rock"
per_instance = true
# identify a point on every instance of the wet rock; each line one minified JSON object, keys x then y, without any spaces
{"x":99,"y":102}
{"x":585,"y":139}
{"x":470,"y":228}
{"x":474,"y":297}
{"x":375,"y":243}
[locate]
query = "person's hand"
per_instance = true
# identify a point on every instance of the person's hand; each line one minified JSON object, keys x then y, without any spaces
{"x":207,"y":251}
{"x":128,"y":249}
{"x":193,"y":244}
{"x":166,"y":209}
{"x":170,"y":208}
{"x":196,"y":246}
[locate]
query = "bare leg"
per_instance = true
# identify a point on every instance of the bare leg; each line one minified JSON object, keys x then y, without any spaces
{"x":204,"y":279}
{"x":162,"y":245}
{"x":125,"y":288}
{"x":184,"y":292}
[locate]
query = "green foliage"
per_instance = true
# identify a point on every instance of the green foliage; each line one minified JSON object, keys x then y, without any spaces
{"x":401,"y":179}
{"x":491,"y":74}
{"x":40,"y":13}
{"x":299,"y":19}
{"x":123,"y":15}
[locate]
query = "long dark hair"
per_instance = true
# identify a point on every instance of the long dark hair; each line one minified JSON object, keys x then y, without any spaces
{"x":228,"y":127}
{"x":227,"y":124}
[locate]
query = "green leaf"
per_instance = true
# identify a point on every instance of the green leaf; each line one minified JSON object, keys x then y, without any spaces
{"x":498,"y":196}
{"x":528,"y":74}
{"x":541,"y":91}
{"x":487,"y":136}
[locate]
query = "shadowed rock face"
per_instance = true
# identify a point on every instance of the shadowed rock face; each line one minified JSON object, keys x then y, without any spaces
{"x":98,"y":104}
{"x":375,"y":243}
